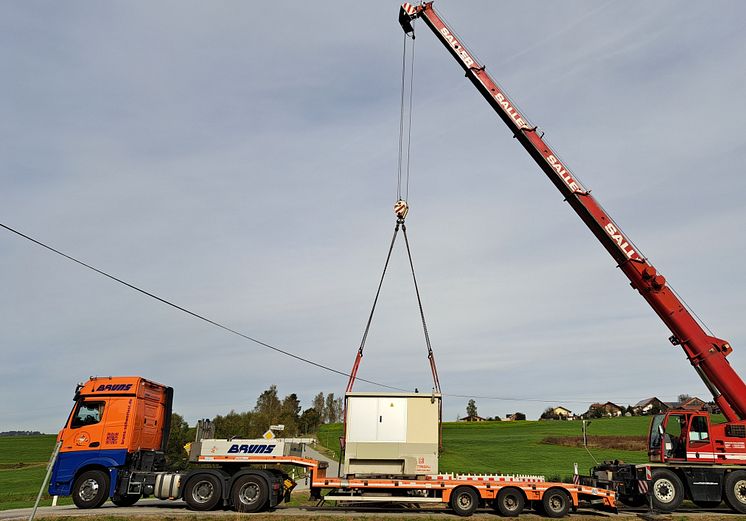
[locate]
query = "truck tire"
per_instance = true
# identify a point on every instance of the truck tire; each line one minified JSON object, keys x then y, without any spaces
{"x":510,"y":502}
{"x":556,"y":502}
{"x":249,"y":494}
{"x":464,"y":501}
{"x":203,"y":492}
{"x":667,"y":490}
{"x":91,"y":489}
{"x":124,"y":501}
{"x":735,"y":491}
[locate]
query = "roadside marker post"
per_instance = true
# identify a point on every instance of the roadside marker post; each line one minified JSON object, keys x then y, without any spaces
{"x":50,"y":465}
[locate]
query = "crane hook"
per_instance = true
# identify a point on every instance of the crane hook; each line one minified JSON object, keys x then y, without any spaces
{"x":401,"y":208}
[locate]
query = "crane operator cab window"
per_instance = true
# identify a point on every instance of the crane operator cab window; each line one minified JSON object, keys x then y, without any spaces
{"x":675,"y":442}
{"x":698,"y":430}
{"x":87,"y":413}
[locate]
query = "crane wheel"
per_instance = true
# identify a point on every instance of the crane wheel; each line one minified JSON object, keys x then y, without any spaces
{"x":735,"y":491}
{"x":667,"y":490}
{"x":510,"y":502}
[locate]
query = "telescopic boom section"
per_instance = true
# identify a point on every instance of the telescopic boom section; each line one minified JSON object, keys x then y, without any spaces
{"x":706,"y":353}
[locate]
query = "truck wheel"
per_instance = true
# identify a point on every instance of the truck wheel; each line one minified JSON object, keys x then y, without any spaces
{"x":203,"y":492}
{"x":91,"y":489}
{"x":464,"y":501}
{"x":735,"y":491}
{"x":509,"y":502}
{"x":556,"y":502}
{"x":667,"y":490}
{"x":124,"y":501}
{"x":249,"y":494}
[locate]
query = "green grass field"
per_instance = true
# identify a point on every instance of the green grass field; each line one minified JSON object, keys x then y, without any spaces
{"x":23,"y":463}
{"x":516,"y":448}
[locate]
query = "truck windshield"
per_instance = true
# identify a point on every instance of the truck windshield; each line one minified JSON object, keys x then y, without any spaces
{"x":655,"y":437}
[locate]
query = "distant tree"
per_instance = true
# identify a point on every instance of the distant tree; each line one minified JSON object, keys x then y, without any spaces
{"x":180,"y":435}
{"x":309,"y":421}
{"x":290,"y":414}
{"x":235,"y":424}
{"x":268,"y":407}
{"x":332,"y":409}
{"x":319,"y":404}
{"x":683,"y":398}
{"x":471,"y":408}
{"x":549,"y":414}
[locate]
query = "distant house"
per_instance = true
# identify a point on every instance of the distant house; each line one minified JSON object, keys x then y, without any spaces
{"x":649,"y":406}
{"x":471,"y":418}
{"x":558,"y":413}
{"x":693,"y":404}
{"x":604,"y":410}
{"x":516,"y":416}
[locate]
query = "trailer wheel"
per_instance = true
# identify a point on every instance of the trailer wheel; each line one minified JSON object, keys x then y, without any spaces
{"x":667,"y":490}
{"x":556,"y":502}
{"x":509,"y":502}
{"x":735,"y":491}
{"x":91,"y":489}
{"x":124,"y":501}
{"x":464,"y":501}
{"x":203,"y":492}
{"x":249,"y":494}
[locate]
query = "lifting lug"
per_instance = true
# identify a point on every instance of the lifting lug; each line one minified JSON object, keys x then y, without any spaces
{"x":674,"y":341}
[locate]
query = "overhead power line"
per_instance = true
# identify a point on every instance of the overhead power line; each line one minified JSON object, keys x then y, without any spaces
{"x":261,"y":343}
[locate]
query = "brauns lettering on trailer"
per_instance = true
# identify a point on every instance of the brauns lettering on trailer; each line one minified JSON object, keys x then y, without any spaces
{"x":457,"y":47}
{"x":114,"y":387}
{"x":251,"y":449}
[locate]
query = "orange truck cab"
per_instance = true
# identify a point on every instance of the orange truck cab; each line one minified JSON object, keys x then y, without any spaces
{"x":113,"y":440}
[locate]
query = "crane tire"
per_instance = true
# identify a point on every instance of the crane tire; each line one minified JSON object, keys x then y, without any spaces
{"x":464,"y":501}
{"x":735,"y":491}
{"x":556,"y":502}
{"x":510,"y":502}
{"x":203,"y":492}
{"x":91,"y":489}
{"x":667,"y":490}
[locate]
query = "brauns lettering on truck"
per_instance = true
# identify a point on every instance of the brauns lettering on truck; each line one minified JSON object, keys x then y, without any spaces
{"x":115,"y":387}
{"x":251,"y":449}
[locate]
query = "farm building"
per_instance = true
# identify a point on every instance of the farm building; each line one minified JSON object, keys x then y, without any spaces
{"x":649,"y":406}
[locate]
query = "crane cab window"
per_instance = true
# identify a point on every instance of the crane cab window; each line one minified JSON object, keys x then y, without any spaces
{"x":698,"y":429}
{"x":87,"y":413}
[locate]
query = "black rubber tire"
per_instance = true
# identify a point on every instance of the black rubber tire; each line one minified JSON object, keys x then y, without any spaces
{"x":124,"y":501}
{"x":464,"y":501}
{"x":634,"y":501}
{"x":510,"y":502}
{"x":91,"y":489}
{"x":249,"y":494}
{"x":735,"y":491}
{"x":556,"y":502}
{"x":203,"y":492}
{"x":707,"y":504}
{"x":667,"y":490}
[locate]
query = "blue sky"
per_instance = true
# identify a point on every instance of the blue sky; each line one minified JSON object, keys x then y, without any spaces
{"x":240,"y":159}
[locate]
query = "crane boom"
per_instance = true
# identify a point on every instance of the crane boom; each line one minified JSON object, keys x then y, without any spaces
{"x":706,"y":353}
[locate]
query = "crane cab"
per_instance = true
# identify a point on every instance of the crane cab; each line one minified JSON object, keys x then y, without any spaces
{"x":681,"y":435}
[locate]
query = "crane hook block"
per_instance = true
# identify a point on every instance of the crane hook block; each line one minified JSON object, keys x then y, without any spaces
{"x":401,"y":209}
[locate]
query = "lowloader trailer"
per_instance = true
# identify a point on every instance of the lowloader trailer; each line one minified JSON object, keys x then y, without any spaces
{"x":113,"y":447}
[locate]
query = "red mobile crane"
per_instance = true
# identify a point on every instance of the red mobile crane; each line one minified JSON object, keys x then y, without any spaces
{"x":692,"y":457}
